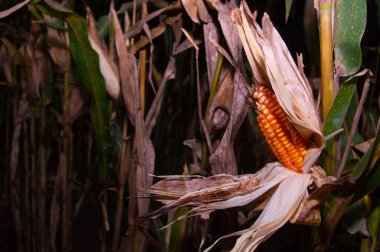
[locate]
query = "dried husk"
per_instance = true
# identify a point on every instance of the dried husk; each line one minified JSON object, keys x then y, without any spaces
{"x":289,"y":202}
{"x":282,"y":206}
{"x":216,"y":192}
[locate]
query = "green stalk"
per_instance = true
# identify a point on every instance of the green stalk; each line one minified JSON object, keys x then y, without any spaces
{"x":327,"y":73}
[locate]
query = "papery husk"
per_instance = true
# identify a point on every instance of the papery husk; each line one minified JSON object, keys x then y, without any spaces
{"x":216,"y":192}
{"x":271,"y":61}
{"x":289,"y":202}
{"x":282,"y":206}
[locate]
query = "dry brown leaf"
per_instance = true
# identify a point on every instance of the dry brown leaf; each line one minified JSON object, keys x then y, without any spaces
{"x":146,"y":157}
{"x":9,"y":11}
{"x":251,"y":47}
{"x":221,"y":107}
{"x":202,"y":11}
{"x":138,"y":27}
{"x":223,"y":159}
{"x":364,"y":146}
{"x":210,"y":32}
{"x":144,"y":40}
{"x":107,"y":66}
{"x":154,"y":110}
{"x":229,"y":31}
{"x":127,"y":69}
{"x":176,"y":23}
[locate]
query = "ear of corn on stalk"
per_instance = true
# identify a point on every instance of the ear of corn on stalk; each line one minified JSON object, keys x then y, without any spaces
{"x":283,"y":139}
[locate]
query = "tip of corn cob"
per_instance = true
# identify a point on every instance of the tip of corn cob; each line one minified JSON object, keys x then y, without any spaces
{"x":283,"y":139}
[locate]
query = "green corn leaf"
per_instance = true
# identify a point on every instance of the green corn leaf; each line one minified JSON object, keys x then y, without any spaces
{"x":373,"y":224}
{"x":338,"y":111}
{"x":372,"y":182}
{"x":349,"y":25}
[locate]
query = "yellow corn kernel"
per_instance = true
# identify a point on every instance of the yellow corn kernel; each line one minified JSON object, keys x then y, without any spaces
{"x":283,"y":139}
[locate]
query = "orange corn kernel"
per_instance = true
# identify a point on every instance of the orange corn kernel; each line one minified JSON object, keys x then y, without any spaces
{"x":283,"y":139}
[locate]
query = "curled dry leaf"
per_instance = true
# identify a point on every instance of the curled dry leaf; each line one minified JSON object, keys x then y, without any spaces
{"x":107,"y":67}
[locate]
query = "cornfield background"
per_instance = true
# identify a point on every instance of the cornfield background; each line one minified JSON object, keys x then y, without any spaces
{"x":97,"y":96}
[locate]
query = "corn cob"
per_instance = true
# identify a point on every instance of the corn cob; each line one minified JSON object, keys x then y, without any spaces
{"x":283,"y":139}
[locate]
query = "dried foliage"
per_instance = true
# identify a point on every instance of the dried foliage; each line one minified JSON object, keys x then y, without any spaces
{"x":100,"y":99}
